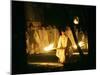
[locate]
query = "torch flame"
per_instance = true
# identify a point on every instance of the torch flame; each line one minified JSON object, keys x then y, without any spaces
{"x":48,"y":48}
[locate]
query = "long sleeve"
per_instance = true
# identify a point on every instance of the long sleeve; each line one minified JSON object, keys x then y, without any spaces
{"x":59,"y":42}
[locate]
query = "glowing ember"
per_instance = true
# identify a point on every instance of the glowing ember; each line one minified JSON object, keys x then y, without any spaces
{"x":48,"y":48}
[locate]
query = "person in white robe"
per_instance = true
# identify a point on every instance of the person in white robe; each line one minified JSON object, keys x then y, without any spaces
{"x":62,"y":44}
{"x":69,"y":34}
{"x":41,"y":38}
{"x":56,"y":35}
{"x":38,"y":41}
{"x":73,"y":45}
{"x":45,"y":41}
{"x":50,"y":34}
{"x":30,"y":40}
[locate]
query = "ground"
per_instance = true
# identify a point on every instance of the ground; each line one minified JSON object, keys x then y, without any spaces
{"x":48,"y":62}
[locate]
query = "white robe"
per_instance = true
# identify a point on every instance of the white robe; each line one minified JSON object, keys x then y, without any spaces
{"x":56,"y":36}
{"x":43,"y":35}
{"x":45,"y":41}
{"x":41,"y":39}
{"x":50,"y":35}
{"x":30,"y":41}
{"x":62,"y":44}
{"x":70,"y":36}
{"x":37,"y":38}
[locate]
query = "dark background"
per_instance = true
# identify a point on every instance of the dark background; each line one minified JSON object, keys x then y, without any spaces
{"x":59,"y":15}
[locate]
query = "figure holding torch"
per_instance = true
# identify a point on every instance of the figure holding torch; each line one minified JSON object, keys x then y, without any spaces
{"x":62,"y":44}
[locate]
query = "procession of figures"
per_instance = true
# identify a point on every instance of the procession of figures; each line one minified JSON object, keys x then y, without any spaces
{"x":37,"y":38}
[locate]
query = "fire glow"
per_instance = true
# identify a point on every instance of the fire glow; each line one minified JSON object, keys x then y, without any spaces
{"x":49,"y":48}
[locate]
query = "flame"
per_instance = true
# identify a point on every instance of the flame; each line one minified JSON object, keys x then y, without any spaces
{"x":48,"y":48}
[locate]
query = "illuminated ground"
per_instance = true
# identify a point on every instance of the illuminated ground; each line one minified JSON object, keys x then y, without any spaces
{"x":51,"y":57}
{"x":48,"y":62}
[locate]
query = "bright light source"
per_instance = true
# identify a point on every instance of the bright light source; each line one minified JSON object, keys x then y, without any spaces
{"x":50,"y":47}
{"x":76,"y":20}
